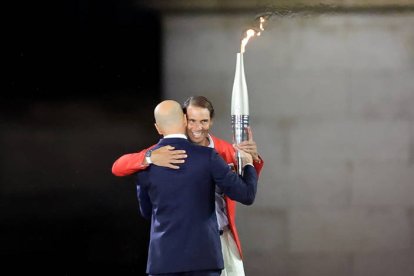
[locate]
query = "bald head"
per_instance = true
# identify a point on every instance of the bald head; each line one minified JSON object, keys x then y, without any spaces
{"x":169,"y":118}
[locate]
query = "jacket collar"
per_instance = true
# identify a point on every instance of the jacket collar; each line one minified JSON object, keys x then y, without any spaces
{"x":166,"y":141}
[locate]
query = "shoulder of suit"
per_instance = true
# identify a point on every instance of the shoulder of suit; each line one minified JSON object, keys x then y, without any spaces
{"x":200,"y":148}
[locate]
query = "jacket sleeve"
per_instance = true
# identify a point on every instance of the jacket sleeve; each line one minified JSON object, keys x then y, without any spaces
{"x":130,"y":163}
{"x":239,"y":188}
{"x":228,"y":152}
{"x":258,"y":165}
{"x":145,"y":205}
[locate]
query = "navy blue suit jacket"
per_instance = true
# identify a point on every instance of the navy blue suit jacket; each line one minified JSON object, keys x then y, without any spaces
{"x":180,"y":203}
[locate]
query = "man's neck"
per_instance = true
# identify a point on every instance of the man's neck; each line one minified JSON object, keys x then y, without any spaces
{"x":206,"y":142}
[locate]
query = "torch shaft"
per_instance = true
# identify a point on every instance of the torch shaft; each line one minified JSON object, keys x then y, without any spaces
{"x":239,"y":109}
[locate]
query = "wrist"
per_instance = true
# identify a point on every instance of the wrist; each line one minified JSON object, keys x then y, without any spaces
{"x":148,"y":157}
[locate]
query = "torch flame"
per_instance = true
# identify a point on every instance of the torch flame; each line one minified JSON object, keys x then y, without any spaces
{"x":251,"y":33}
{"x":262,"y":20}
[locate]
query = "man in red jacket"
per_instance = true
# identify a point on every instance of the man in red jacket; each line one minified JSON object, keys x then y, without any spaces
{"x":200,"y":113}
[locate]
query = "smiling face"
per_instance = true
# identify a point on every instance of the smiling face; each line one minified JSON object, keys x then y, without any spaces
{"x":198,"y":125}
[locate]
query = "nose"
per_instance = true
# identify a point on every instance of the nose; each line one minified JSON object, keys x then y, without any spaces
{"x":198,"y":126}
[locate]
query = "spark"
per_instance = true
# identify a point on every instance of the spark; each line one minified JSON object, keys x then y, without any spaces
{"x":251,"y":33}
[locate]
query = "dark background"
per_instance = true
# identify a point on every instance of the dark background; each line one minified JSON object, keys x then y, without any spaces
{"x":81,"y":81}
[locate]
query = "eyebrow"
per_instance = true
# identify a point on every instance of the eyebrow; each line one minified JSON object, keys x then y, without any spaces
{"x":202,"y":120}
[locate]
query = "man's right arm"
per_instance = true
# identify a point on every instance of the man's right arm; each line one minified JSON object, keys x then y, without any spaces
{"x":134,"y":162}
{"x":130,"y":163}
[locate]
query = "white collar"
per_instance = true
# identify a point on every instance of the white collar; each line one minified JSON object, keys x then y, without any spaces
{"x":177,"y":135}
{"x":211,"y":145}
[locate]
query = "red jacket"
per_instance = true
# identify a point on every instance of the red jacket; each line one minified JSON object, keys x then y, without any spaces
{"x":131,"y":163}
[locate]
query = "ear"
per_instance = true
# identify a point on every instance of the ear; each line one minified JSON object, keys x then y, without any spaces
{"x":185,"y":120}
{"x":158,"y":129}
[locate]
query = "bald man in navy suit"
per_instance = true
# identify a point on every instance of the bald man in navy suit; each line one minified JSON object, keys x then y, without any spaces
{"x":185,"y":238}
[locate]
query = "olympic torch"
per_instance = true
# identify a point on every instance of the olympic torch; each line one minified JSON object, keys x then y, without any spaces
{"x":239,"y":108}
{"x":240,"y":97}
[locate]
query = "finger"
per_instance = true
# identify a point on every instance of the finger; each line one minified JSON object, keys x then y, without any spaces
{"x":248,"y":147}
{"x":249,"y":152}
{"x":178,"y":152}
{"x":174,"y":160}
{"x":245,"y":146}
{"x":240,"y":146}
{"x":166,"y":148}
{"x":242,"y":152}
{"x":181,"y":156}
{"x":179,"y":161}
{"x":248,"y":143}
{"x":173,"y":166}
{"x":249,"y":134}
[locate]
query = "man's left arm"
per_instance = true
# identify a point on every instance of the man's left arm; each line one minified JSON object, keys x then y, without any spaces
{"x":239,"y":188}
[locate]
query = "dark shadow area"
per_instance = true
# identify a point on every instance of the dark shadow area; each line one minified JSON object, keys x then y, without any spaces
{"x":82,"y":80}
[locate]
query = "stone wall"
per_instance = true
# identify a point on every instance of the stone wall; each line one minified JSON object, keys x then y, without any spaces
{"x":332,"y":110}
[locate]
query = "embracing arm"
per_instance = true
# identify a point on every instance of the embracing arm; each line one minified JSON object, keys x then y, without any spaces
{"x":134,"y":162}
{"x":130,"y":163}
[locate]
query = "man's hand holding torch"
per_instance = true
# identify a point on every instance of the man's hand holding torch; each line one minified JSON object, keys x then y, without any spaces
{"x":249,"y":146}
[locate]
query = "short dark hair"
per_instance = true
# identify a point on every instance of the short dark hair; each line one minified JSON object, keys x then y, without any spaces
{"x":199,"y":101}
